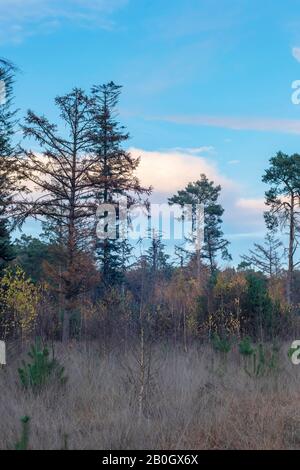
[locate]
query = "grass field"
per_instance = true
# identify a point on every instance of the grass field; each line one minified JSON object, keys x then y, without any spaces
{"x":175,"y":399}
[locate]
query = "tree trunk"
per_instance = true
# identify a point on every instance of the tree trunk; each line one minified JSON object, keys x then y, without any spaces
{"x":66,"y":327}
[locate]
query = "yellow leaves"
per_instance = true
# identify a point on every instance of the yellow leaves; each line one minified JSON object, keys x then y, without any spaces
{"x":192,"y":323}
{"x":230,"y":282}
{"x":227,"y":323}
{"x":181,"y":292}
{"x":19,"y":299}
{"x":229,"y":290}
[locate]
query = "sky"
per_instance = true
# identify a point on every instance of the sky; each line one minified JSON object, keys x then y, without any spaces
{"x":207,"y":85}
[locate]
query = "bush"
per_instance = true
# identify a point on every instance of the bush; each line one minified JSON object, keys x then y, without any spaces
{"x":41,"y":370}
{"x":245,"y":347}
{"x":264,"y":362}
{"x":221,"y":345}
{"x":19,"y":300}
{"x":22,"y":444}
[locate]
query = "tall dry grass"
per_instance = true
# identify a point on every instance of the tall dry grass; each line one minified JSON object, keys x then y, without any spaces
{"x":189,"y":402}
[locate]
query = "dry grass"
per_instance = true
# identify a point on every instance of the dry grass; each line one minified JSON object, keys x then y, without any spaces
{"x":187,"y":405}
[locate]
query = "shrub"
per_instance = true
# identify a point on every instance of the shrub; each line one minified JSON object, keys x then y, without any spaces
{"x":263,"y":362}
{"x":221,"y":345}
{"x":22,"y":444}
{"x":246,"y":348}
{"x":40,"y":370}
{"x":19,"y":299}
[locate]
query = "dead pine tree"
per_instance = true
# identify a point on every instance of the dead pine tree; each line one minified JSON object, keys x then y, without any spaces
{"x":62,"y":192}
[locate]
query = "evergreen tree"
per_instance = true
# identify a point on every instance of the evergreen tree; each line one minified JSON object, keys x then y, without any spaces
{"x":283,"y":199}
{"x":7,"y":129}
{"x":156,"y":257}
{"x":115,"y":173}
{"x":205,"y":192}
{"x":31,"y":254}
{"x":257,"y":305}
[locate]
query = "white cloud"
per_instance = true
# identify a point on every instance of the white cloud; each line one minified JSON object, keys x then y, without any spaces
{"x":288,"y":126}
{"x":196,"y":150}
{"x":172,"y":170}
{"x":296,"y":53}
{"x":22,"y":18}
{"x":233,"y":162}
{"x":254,"y":205}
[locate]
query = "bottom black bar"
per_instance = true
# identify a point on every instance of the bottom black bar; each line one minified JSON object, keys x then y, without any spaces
{"x":135,"y":459}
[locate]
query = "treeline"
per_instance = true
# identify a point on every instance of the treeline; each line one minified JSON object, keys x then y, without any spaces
{"x":68,"y":283}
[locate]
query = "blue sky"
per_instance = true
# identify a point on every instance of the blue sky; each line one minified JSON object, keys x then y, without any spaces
{"x":207,"y":84}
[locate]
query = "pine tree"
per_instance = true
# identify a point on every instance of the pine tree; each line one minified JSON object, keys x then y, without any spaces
{"x":205,"y":192}
{"x":156,"y":257}
{"x":66,"y":199}
{"x":115,"y":173}
{"x":7,"y":129}
{"x":283,"y":199}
